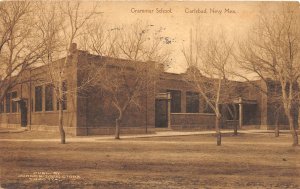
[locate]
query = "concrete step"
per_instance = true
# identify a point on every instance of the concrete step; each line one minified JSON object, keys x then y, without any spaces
{"x":162,"y":129}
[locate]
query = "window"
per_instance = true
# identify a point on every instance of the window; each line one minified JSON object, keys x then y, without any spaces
{"x":14,"y":103}
{"x":7,"y":103}
{"x":1,"y":107}
{"x":175,"y":101}
{"x":192,"y":102}
{"x":274,"y":88}
{"x":208,"y":108}
{"x":64,"y":96}
{"x":49,"y":97}
{"x":38,"y":98}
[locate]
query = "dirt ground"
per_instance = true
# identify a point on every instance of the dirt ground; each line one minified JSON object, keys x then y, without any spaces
{"x":244,"y":161}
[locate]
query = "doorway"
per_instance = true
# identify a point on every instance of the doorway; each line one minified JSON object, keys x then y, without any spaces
{"x":161,"y":113}
{"x":23,"y":110}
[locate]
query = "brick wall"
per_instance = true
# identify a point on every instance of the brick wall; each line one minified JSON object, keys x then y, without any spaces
{"x":44,"y":120}
{"x":97,"y":115}
{"x":195,"y":121}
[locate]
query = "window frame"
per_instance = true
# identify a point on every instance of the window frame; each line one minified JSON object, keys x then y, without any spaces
{"x":49,"y":108}
{"x":175,"y":105}
{"x":2,"y":107}
{"x":7,"y":103}
{"x":192,"y":98}
{"x":41,"y":99}
{"x":14,"y":105}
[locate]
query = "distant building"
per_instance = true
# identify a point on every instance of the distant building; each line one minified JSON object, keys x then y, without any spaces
{"x":172,"y":103}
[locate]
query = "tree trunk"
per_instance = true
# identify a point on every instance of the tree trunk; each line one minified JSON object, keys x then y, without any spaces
{"x":61,"y":126}
{"x":293,"y":130}
{"x":218,"y":133}
{"x":117,"y":132}
{"x":276,"y":126}
{"x":295,"y":138}
{"x":235,"y":130}
{"x":276,"y":130}
{"x":235,"y":126}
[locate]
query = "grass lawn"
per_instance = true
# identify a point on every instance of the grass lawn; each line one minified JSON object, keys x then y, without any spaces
{"x":244,"y":161}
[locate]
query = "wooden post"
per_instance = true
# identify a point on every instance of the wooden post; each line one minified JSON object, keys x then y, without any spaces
{"x":240,"y":113}
{"x":169,"y":110}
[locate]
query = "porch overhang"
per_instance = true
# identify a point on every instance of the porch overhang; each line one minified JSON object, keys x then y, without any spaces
{"x":244,"y":101}
{"x":163,"y":96}
{"x":18,"y":99}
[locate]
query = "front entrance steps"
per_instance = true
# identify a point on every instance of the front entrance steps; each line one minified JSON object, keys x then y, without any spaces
{"x":251,"y":127}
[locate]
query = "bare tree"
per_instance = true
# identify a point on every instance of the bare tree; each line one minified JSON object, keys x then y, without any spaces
{"x":229,"y":95}
{"x":208,"y":61}
{"x":19,"y":46}
{"x":128,"y":74}
{"x":274,"y":93}
{"x":272,"y":51}
{"x":63,"y":24}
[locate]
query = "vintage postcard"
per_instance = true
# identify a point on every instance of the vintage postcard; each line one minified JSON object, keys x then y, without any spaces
{"x":149,"y":94}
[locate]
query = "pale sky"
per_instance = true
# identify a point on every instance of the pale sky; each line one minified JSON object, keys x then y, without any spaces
{"x":178,"y":23}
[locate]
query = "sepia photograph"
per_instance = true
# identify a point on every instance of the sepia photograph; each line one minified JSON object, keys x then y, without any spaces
{"x":149,"y":94}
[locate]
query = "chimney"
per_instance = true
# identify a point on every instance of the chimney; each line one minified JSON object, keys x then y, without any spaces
{"x":161,"y":67}
{"x":73,"y":48}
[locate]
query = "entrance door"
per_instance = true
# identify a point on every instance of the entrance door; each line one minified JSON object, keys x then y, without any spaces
{"x":23,"y":109}
{"x":161,"y":113}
